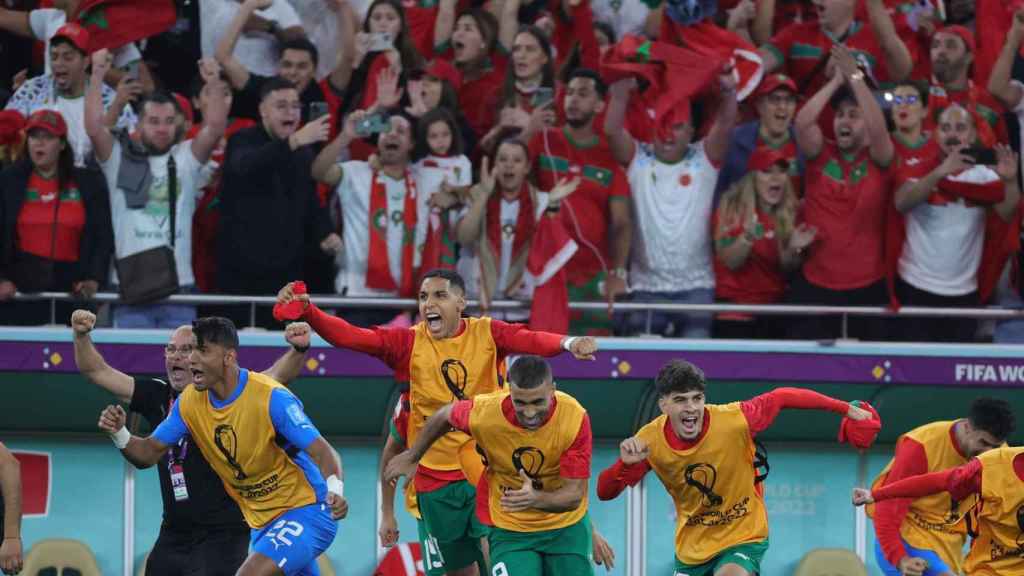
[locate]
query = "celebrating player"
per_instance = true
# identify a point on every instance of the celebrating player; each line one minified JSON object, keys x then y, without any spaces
{"x":257,"y":438}
{"x":704,"y":455}
{"x":537,"y":446}
{"x":919,"y":537}
{"x":444,"y":358}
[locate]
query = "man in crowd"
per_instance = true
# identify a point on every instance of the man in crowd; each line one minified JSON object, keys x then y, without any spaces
{"x":64,"y":90}
{"x":286,"y":479}
{"x":268,"y":198}
{"x":952,"y":54}
{"x":154,"y":184}
{"x":10,"y":512}
{"x":202,"y":528}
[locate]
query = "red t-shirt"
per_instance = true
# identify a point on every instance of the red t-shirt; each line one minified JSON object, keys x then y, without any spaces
{"x":587,"y":212}
{"x":478,"y":95}
{"x":912,"y":155}
{"x":760,"y":280}
{"x":975,"y":99}
{"x":573,"y":463}
{"x":35,"y":227}
{"x":846,"y":200}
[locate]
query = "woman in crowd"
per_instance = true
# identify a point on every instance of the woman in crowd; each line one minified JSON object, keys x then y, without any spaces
{"x":55,"y":230}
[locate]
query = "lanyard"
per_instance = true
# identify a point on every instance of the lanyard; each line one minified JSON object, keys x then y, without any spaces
{"x":176,"y":455}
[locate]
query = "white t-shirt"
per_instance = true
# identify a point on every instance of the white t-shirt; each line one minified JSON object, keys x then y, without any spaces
{"x":354,"y":196}
{"x":432,"y":171}
{"x":672,"y":234}
{"x":257,"y":51}
{"x":46,"y":21}
{"x":149,"y":227}
{"x":942,"y":250}
{"x":73,"y":111}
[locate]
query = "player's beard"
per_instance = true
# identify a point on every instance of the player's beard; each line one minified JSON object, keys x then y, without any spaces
{"x":582,"y":122}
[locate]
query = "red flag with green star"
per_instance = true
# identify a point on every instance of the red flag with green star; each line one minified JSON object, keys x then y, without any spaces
{"x":114,"y":23}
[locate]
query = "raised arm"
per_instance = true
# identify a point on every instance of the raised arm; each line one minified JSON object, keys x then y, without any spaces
{"x":959,"y":482}
{"x":326,"y":168}
{"x":215,"y":119}
{"x":508,"y":26}
{"x":880,"y":144}
{"x":627,"y":471}
{"x":761,"y":29}
{"x":17,"y":22}
{"x":10,"y":488}
{"x":469,"y":227}
{"x":343,"y":61}
{"x":92,"y":365}
{"x":289,"y":365}
{"x":809,"y":138}
{"x":95,"y":125}
{"x":237,"y":73}
{"x":762,"y":410}
{"x":1007,"y":168}
{"x":717,"y":142}
{"x":142,"y":452}
{"x":622,"y":144}
{"x":999,"y":85}
{"x":333,"y":329}
{"x":894,"y":51}
{"x":444,"y":25}
{"x":518,"y":339}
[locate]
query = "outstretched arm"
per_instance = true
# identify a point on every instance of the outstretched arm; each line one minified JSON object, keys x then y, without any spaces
{"x":289,"y":365}
{"x":960,"y":482}
{"x":762,"y":410}
{"x":336,"y":330}
{"x":436,"y":426}
{"x":92,"y":365}
{"x":517,"y":339}
{"x":237,"y":73}
{"x":95,"y":125}
{"x":142,"y":452}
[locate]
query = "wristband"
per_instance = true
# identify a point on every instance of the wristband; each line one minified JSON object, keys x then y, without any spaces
{"x":567,"y":344}
{"x":121,"y":438}
{"x":302,"y":350}
{"x":335,"y":486}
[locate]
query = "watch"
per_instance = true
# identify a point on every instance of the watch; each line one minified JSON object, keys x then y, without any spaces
{"x":858,"y":75}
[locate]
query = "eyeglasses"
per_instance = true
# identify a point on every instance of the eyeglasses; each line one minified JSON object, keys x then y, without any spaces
{"x":908,"y":99}
{"x":171,"y":350}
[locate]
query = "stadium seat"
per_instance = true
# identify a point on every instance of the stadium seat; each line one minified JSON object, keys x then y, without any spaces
{"x":60,"y":554}
{"x":831,"y":562}
{"x":324,"y":565}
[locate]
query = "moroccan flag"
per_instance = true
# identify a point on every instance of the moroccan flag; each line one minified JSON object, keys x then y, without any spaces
{"x":114,"y":23}
{"x":994,"y":17}
{"x":550,"y":250}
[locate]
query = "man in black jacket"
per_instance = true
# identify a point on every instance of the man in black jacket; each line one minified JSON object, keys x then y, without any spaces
{"x":270,"y":210}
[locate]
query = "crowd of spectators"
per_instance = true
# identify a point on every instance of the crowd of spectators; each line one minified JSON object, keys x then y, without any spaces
{"x":831,"y":152}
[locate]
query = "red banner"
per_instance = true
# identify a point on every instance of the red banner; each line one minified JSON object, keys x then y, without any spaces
{"x":114,"y":23}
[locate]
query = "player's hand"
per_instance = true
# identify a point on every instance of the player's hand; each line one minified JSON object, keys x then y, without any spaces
{"x":603,"y":553}
{"x":10,"y":555}
{"x":338,"y":504}
{"x":522,"y":499}
{"x":912,"y":566}
{"x":862,"y":496}
{"x":583,"y":348}
{"x":112,"y":419}
{"x":82,"y":321}
{"x":633,"y":450}
{"x":388,"y":531}
{"x":298,"y":334}
{"x":401,"y":465}
{"x":287,"y":294}
{"x":857,"y":413}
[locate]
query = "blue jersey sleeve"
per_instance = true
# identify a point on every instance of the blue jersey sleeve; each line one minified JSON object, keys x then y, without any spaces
{"x":172,"y":429}
{"x":290,"y":419}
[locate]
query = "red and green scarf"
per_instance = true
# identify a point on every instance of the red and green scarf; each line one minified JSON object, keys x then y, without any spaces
{"x":378,"y":270}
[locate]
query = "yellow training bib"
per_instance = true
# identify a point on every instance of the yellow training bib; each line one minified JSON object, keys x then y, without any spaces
{"x":239,"y":442}
{"x":712,"y":484}
{"x":998,"y":550}
{"x":509,"y":448}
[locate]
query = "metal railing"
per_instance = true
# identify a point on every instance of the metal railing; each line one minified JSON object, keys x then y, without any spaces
{"x":650,"y":308}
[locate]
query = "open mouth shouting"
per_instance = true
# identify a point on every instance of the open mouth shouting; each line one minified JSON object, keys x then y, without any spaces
{"x":434,"y":322}
{"x":690,"y":425}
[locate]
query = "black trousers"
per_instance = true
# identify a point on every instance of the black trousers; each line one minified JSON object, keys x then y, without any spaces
{"x":935,"y":329}
{"x":200,"y":552}
{"x":830,"y":327}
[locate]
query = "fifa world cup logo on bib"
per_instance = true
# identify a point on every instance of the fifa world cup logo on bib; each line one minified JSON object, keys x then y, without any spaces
{"x":530,"y":460}
{"x":1020,"y":528}
{"x":455,"y":377}
{"x":227,"y":442}
{"x":703,"y":476}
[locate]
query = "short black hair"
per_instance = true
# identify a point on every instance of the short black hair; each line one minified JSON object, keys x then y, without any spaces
{"x":303,"y":45}
{"x":215,"y":330}
{"x":993,"y":416}
{"x":453,"y":277}
{"x":273,"y":85}
{"x":159,"y":97}
{"x":842,"y":96}
{"x":529,"y":372}
{"x":679,"y":376}
{"x":599,"y":85}
{"x":65,"y":40}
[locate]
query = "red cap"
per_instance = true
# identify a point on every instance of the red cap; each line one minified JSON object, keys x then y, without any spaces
{"x":773,"y":82}
{"x":49,"y":120}
{"x":186,"y":107}
{"x":11,"y":125}
{"x":75,"y":34}
{"x":860,"y":433}
{"x":962,"y":32}
{"x":764,"y":158}
{"x":442,"y":70}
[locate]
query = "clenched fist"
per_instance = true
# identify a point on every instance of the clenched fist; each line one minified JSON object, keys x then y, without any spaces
{"x":82,"y":322}
{"x":112,"y":419}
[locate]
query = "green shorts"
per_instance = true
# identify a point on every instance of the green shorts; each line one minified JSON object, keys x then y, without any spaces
{"x":563,"y":552}
{"x":449,"y":519}
{"x":433,"y":564}
{"x":747,"y":556}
